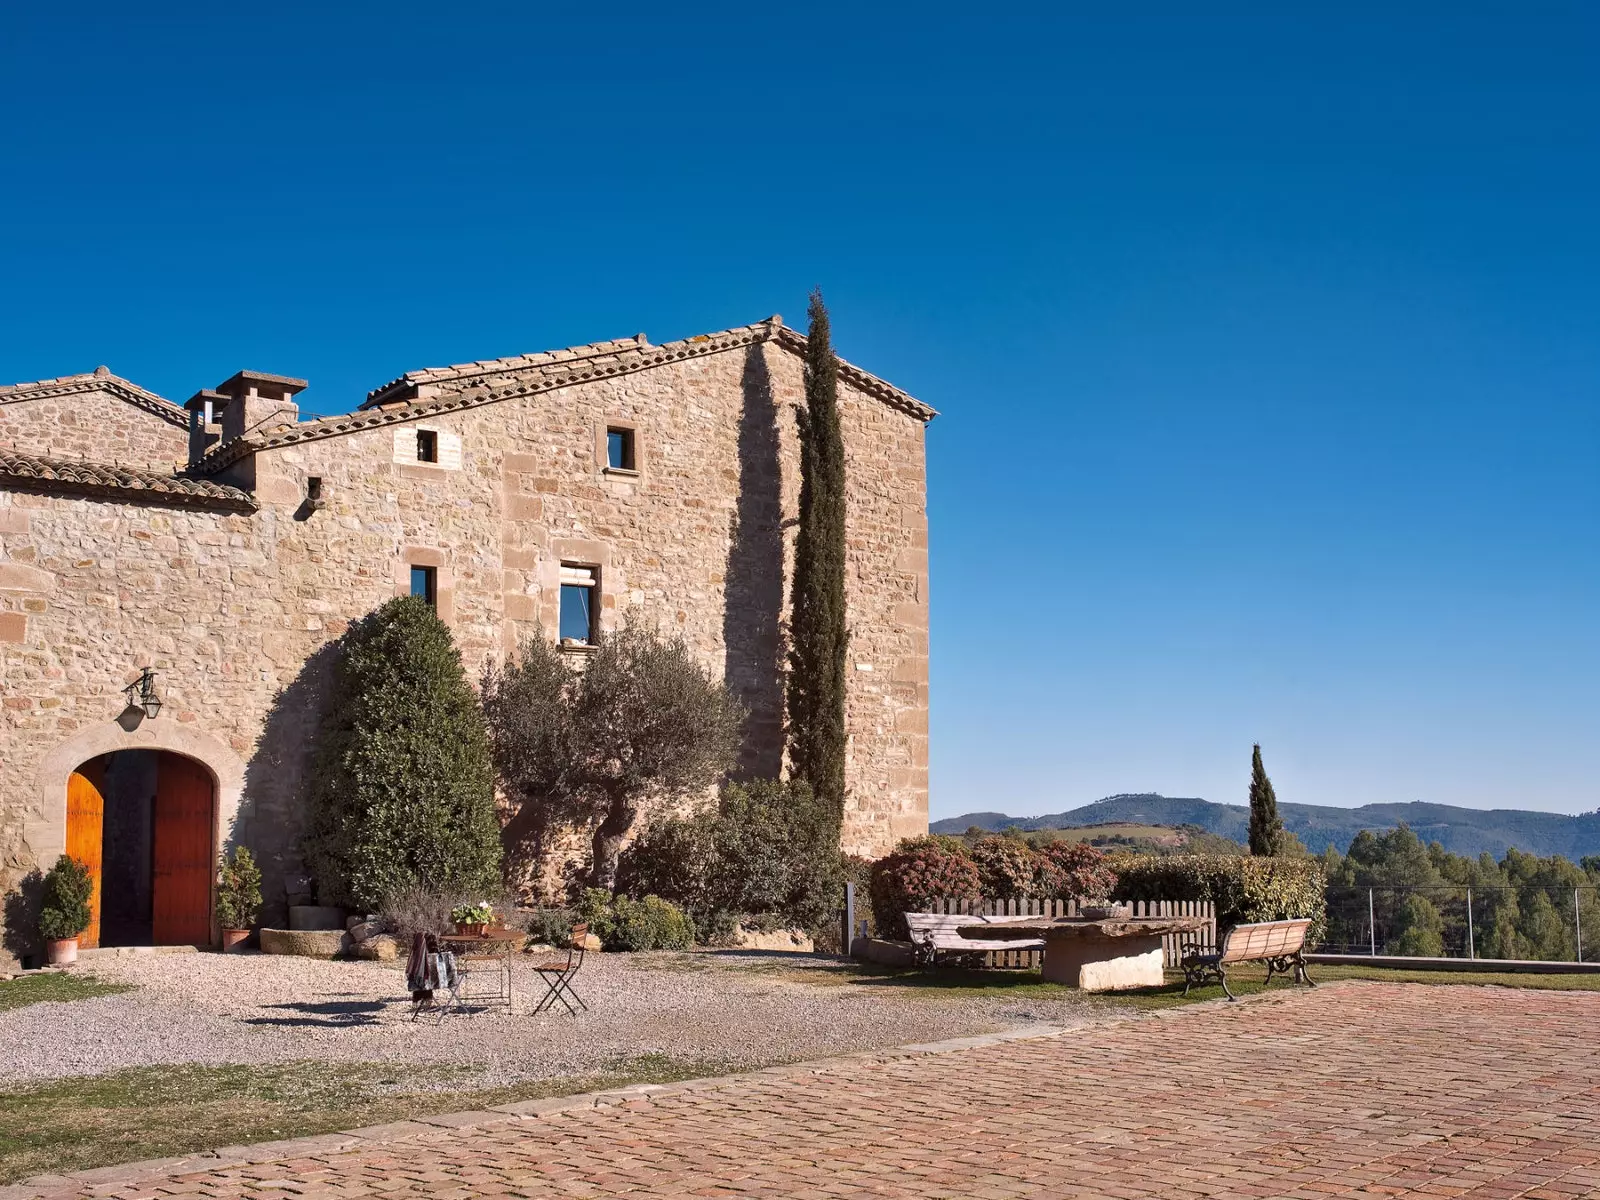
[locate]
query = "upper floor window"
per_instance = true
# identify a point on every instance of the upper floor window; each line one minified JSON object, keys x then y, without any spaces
{"x":619,"y":449}
{"x":579,"y":598}
{"x":425,"y":585}
{"x":427,"y":446}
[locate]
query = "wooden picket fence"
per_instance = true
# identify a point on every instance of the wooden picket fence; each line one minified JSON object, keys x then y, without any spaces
{"x":1172,"y":944}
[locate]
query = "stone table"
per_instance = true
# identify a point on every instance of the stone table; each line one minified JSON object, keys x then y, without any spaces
{"x":1097,"y":956}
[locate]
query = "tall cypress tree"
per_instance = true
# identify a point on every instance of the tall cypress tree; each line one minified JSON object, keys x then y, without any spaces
{"x":818,"y":634}
{"x":1266,"y":827}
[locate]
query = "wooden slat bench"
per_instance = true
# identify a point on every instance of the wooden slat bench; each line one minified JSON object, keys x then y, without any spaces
{"x":933,"y":932}
{"x":1279,"y":944}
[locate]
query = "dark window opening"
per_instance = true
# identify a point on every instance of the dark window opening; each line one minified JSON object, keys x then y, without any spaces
{"x":619,"y":450}
{"x":427,"y":446}
{"x":424,"y":584}
{"x":578,"y":598}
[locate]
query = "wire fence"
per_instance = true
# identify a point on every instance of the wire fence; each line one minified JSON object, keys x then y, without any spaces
{"x":1532,"y":921}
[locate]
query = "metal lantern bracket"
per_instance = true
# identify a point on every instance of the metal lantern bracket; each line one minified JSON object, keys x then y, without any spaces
{"x":141,"y":693}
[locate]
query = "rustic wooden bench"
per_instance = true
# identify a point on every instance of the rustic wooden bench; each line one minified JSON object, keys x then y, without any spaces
{"x":933,"y":932}
{"x":1279,"y":944}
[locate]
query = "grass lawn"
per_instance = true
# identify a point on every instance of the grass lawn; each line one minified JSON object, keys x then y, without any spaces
{"x":53,"y":985}
{"x":954,"y":981}
{"x":154,"y":1112}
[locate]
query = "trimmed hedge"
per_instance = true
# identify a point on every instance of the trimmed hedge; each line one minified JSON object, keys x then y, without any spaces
{"x":1243,"y":888}
{"x":624,"y":924}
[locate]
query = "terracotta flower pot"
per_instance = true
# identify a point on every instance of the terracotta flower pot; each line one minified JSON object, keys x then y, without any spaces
{"x":61,"y":952}
{"x":233,"y":940}
{"x":466,"y":928}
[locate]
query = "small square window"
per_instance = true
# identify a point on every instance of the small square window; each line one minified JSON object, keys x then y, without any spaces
{"x":579,"y":586}
{"x":619,"y":450}
{"x":427,"y":446}
{"x":425,"y":585}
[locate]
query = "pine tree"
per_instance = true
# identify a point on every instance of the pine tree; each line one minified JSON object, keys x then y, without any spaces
{"x":818,"y":633}
{"x":1266,"y":828}
{"x":403,"y":794}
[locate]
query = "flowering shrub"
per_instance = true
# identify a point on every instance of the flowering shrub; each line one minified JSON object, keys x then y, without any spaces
{"x":919,"y":871}
{"x":1007,"y":868}
{"x":1072,"y":871}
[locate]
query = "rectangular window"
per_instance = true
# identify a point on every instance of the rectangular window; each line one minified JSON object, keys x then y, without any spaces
{"x":424,"y":584}
{"x":427,"y":446}
{"x":619,"y":450}
{"x":579,"y":596}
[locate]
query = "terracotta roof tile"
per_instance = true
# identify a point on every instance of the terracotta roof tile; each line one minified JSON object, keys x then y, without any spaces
{"x":101,"y":380}
{"x":55,"y":475}
{"x":557,"y":369}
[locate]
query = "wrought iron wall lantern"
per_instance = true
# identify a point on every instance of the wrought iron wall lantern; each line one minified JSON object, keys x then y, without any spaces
{"x":141,"y":694}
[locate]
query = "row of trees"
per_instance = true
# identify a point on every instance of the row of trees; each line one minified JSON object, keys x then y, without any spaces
{"x":1522,"y":905}
{"x":406,"y":773}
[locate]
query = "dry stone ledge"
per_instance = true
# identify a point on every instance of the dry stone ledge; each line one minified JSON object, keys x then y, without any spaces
{"x":307,"y":943}
{"x":382,"y":947}
{"x":750,"y":937}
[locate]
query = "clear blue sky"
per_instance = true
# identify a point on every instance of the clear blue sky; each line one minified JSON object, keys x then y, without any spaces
{"x":1266,"y":344}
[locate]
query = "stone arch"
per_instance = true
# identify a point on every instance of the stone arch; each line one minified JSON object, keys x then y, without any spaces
{"x":46,"y":835}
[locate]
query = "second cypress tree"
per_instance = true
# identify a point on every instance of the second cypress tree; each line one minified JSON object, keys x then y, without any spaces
{"x":1266,"y":827}
{"x":818,"y":632}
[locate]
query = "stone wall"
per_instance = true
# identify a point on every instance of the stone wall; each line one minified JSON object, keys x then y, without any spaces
{"x":92,"y":424}
{"x":235,"y":611}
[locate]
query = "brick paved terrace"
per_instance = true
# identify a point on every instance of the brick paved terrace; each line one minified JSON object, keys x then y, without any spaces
{"x":1348,"y":1090}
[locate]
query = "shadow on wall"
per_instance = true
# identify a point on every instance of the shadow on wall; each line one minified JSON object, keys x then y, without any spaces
{"x":752,"y":630}
{"x":272,"y":810}
{"x":21,"y":919}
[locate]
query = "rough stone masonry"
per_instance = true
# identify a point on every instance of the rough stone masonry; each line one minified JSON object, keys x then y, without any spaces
{"x":225,"y":546}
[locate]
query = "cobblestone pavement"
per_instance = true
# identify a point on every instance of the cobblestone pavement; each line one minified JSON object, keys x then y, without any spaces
{"x":1348,"y":1090}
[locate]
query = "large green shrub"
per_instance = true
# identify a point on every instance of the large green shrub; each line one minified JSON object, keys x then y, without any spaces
{"x":403,"y":791}
{"x":1243,"y":888}
{"x":769,"y":848}
{"x":919,"y":872}
{"x":628,"y":925}
{"x":64,"y":903}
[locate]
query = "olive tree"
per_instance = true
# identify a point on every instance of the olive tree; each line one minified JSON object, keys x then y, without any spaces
{"x":641,"y":719}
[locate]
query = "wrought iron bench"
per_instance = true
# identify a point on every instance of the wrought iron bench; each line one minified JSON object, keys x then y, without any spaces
{"x":934,"y":932}
{"x":1279,"y":944}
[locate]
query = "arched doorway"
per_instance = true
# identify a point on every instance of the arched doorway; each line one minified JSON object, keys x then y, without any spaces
{"x":145,"y":823}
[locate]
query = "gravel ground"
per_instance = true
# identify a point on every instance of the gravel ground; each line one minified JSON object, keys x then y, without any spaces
{"x":723,"y":1009}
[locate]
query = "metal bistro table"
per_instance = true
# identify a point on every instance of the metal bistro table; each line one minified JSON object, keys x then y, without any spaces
{"x":1097,"y":956}
{"x":486,"y":958}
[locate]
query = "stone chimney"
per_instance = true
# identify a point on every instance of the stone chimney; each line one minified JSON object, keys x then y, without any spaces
{"x":258,"y":403}
{"x":205,"y":422}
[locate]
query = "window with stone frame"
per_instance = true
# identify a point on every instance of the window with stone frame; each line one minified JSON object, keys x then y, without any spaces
{"x":580,"y":602}
{"x":425,"y":585}
{"x":427,"y":446}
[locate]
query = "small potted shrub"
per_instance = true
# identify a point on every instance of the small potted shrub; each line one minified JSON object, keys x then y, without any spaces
{"x":64,"y":910}
{"x":472,"y":918}
{"x":238,"y":897}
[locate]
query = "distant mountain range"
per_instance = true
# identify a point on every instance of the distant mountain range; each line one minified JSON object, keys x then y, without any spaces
{"x":1467,"y":831}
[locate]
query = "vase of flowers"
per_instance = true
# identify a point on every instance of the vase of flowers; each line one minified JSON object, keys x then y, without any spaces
{"x":472,"y":918}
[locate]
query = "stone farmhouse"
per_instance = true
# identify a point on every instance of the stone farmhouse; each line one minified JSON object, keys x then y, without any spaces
{"x":224,"y":543}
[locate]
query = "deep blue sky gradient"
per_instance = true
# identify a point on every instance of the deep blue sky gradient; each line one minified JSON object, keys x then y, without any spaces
{"x":1266,"y":343}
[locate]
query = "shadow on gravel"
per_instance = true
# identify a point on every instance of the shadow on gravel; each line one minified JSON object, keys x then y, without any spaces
{"x":330,"y":1013}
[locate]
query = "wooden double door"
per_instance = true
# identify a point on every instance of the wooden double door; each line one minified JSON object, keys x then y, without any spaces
{"x":181,"y":843}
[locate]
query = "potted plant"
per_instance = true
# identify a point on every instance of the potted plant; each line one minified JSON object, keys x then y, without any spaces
{"x":472,"y":918}
{"x":64,"y":910}
{"x":238,"y":897}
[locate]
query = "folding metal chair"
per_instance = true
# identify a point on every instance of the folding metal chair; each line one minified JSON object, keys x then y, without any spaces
{"x":557,"y":974}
